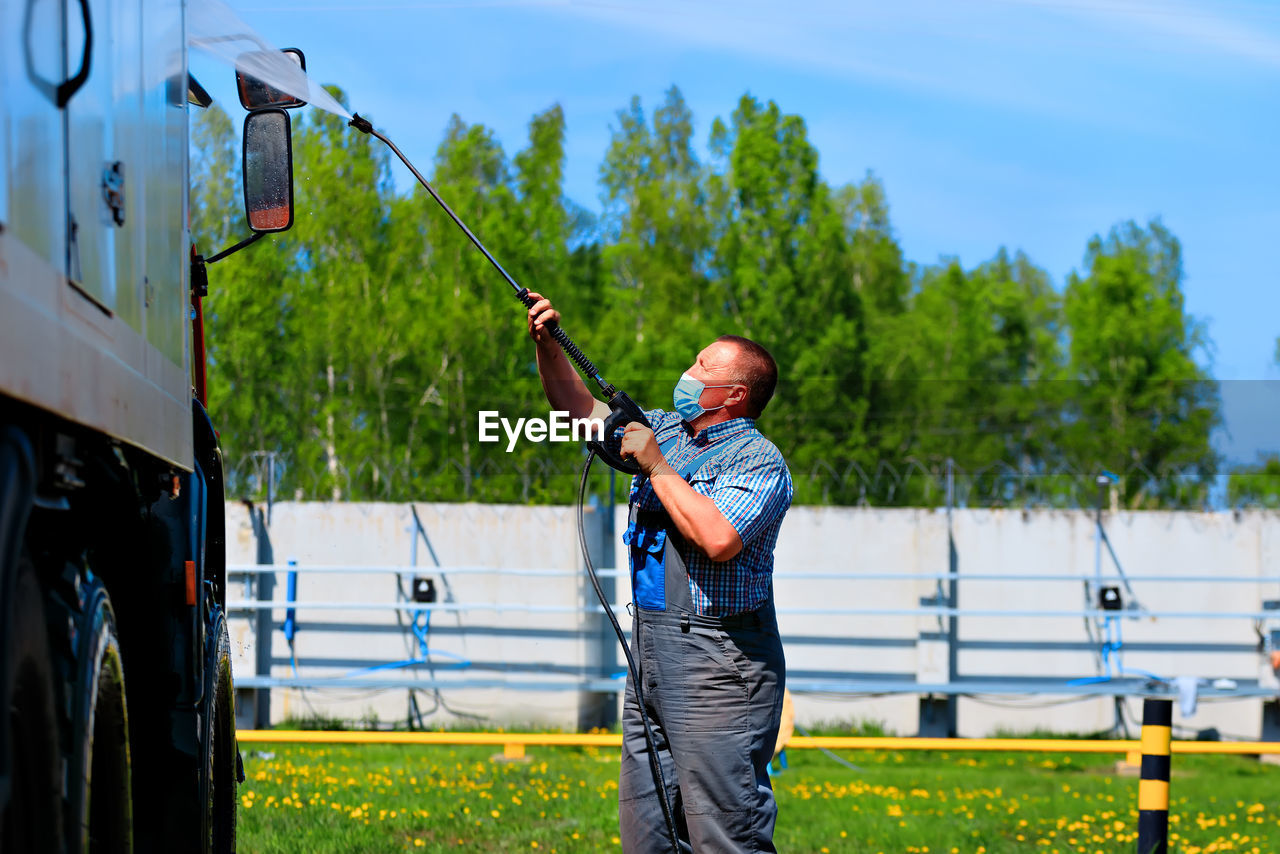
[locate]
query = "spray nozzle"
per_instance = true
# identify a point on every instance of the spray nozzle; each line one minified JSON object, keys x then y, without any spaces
{"x":362,"y":125}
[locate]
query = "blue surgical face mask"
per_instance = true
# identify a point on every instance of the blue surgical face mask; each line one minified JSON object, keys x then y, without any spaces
{"x":688,"y":396}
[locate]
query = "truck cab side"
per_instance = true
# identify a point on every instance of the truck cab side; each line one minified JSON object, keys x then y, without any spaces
{"x":116,"y":702}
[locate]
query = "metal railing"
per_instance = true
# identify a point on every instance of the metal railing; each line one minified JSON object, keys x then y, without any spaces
{"x":861,"y":684}
{"x":510,"y":631}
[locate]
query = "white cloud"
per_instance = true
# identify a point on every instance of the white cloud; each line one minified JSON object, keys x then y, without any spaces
{"x":845,"y":39}
{"x":1199,"y":27}
{"x":980,"y":50}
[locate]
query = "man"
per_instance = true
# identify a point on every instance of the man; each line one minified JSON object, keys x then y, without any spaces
{"x":705,"y":515}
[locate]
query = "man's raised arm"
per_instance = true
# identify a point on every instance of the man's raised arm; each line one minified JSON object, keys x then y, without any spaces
{"x":565,"y":390}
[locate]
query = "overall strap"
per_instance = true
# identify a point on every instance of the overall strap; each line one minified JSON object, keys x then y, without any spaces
{"x":673,"y":429}
{"x":660,"y":577}
{"x":690,"y":468}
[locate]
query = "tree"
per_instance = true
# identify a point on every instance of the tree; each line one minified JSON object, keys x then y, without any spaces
{"x":474,"y":354}
{"x":337,"y":294}
{"x":361,"y":345}
{"x":967,"y":367}
{"x":1257,"y":486}
{"x":251,"y":351}
{"x":787,"y":277}
{"x":1139,"y":405}
{"x":658,"y":304}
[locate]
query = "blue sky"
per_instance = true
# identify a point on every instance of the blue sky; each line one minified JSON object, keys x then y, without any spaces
{"x":1032,"y":124}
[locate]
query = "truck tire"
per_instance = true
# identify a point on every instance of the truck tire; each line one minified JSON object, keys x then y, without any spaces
{"x":32,"y":818}
{"x":220,"y":779}
{"x":99,"y":777}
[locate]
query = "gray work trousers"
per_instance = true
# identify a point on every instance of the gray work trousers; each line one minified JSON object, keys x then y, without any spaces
{"x":713,"y":692}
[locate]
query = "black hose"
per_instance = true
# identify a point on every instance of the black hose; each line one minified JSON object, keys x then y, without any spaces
{"x":655,"y":766}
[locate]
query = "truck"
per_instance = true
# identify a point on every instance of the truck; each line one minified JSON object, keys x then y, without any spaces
{"x":118,"y":722}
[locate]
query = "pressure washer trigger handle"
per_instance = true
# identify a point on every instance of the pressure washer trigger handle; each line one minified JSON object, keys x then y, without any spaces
{"x":623,"y":410}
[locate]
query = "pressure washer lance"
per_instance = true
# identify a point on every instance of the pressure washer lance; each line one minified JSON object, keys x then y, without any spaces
{"x":622,"y":411}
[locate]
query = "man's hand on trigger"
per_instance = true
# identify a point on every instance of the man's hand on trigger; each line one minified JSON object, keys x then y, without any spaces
{"x":638,"y":444}
{"x":540,"y":315}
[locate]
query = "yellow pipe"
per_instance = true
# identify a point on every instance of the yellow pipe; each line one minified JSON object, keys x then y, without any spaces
{"x":556,"y":739}
{"x":1036,"y":745}
{"x":1234,"y":747}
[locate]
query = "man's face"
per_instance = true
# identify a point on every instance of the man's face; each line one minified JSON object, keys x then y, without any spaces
{"x":714,"y":366}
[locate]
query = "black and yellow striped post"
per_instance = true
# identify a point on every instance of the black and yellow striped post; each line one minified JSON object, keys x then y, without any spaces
{"x":1153,"y":787}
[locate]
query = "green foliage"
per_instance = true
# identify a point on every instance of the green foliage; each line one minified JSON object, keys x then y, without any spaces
{"x":973,"y":373}
{"x":1257,"y":486}
{"x":360,"y":346}
{"x":788,"y":269}
{"x":1139,"y":402}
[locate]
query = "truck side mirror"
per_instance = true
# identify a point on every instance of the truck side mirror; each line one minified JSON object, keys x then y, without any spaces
{"x":268,"y":170}
{"x":287,"y":66}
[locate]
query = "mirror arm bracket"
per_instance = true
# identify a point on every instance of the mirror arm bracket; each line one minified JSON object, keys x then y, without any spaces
{"x":230,"y":250}
{"x":199,"y":271}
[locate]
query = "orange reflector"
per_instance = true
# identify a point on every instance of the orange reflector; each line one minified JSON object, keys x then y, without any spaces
{"x":1275,"y":659}
{"x":191,"y":582}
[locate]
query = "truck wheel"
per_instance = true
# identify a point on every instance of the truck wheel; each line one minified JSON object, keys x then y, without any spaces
{"x":99,"y":779}
{"x":32,"y":818}
{"x":220,"y":777}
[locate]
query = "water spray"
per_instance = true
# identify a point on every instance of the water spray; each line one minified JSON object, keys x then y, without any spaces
{"x":214,"y":29}
{"x":622,"y":411}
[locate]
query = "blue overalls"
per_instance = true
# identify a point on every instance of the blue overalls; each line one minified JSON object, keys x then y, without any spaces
{"x":659,"y":577}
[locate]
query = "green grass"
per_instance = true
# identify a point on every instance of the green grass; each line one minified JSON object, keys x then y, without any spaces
{"x":389,"y":798}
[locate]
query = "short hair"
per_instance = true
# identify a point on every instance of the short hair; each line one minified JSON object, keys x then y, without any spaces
{"x":756,"y":369}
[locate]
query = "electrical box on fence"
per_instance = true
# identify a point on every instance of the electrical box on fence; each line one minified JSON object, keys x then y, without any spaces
{"x":424,"y":589}
{"x":1109,"y":599}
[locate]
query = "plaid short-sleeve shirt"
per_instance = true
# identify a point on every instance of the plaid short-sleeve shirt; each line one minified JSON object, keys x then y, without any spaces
{"x":751,"y":487}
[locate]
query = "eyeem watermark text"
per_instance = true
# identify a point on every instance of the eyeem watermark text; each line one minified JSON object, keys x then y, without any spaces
{"x":561,"y":428}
